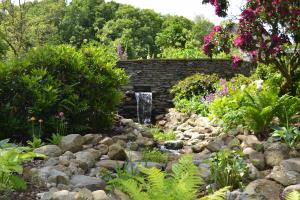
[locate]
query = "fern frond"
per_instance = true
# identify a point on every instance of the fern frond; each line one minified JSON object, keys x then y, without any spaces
{"x":218,"y":195}
{"x":294,"y":195}
{"x":133,"y":190}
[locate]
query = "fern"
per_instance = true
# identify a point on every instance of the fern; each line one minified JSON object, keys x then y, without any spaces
{"x":218,"y":195}
{"x":294,"y":195}
{"x":157,"y":185}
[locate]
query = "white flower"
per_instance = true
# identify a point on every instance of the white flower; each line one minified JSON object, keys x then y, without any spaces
{"x":243,"y":87}
{"x":259,"y":84}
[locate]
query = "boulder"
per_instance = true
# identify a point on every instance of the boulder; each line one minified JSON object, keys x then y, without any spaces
{"x":116,"y":152}
{"x":91,"y":183}
{"x":110,"y":164}
{"x":86,"y":157}
{"x":107,"y":141}
{"x":292,"y":164}
{"x":57,"y":177}
{"x":103,"y":148}
{"x":275,"y":153}
{"x":284,"y":176}
{"x":71,"y":143}
{"x":263,"y":189}
{"x":83,"y":194}
{"x":145,"y":142}
{"x":63,"y":195}
{"x":256,"y":158}
{"x":290,"y":189}
{"x":173,"y":144}
{"x":215,"y":145}
{"x":49,"y":150}
{"x":100,"y":195}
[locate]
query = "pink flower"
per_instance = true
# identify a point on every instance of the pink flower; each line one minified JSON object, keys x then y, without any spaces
{"x":236,"y":61}
{"x":239,"y":41}
{"x":217,"y":28}
{"x":61,"y":114}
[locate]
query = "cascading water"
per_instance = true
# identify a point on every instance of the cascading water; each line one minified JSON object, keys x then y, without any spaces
{"x":144,"y":106}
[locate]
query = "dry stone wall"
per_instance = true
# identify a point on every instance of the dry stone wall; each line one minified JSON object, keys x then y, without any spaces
{"x":158,"y":76}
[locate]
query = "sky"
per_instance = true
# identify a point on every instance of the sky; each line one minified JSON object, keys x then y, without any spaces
{"x":186,"y":8}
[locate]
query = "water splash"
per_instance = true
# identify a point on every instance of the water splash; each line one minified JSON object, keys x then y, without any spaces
{"x":144,"y":106}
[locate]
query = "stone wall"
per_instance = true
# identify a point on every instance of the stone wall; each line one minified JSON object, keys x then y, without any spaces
{"x":158,"y":76}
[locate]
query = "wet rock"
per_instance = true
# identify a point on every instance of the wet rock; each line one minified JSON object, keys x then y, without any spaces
{"x":173,"y":144}
{"x":116,"y":152}
{"x":71,"y":143}
{"x":91,"y":183}
{"x":49,"y":150}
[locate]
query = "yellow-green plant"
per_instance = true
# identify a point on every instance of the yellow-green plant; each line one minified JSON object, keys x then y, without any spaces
{"x":218,"y":195}
{"x":294,"y":195}
{"x":154,"y":156}
{"x":162,"y":136}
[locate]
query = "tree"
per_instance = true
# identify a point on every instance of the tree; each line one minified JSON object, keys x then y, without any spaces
{"x":268,"y":31}
{"x":175,"y":32}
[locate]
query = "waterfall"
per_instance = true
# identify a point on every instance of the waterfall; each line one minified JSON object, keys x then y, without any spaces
{"x":144,"y":106}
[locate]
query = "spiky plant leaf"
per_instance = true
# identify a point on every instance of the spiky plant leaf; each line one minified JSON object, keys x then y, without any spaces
{"x":294,"y":195}
{"x":218,"y":195}
{"x":131,"y":187}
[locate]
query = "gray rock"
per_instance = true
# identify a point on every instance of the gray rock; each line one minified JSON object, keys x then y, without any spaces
{"x":275,"y":153}
{"x":91,"y":183}
{"x":107,"y":141}
{"x":100,"y":195}
{"x":103,"y":148}
{"x":83,"y":194}
{"x":215,"y":145}
{"x":86,"y":157}
{"x":292,"y":164}
{"x":173,"y":144}
{"x":256,"y":158}
{"x":284,"y":176}
{"x":263,"y":189}
{"x":145,"y":142}
{"x":250,"y":141}
{"x":49,"y":150}
{"x":63,"y":195}
{"x":110,"y":164}
{"x":71,"y":143}
{"x":58,"y":177}
{"x":116,"y":152}
{"x":198,"y":147}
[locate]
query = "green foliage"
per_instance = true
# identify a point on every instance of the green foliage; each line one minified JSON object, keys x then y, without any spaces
{"x":294,"y":195}
{"x":35,"y":143}
{"x":154,"y":156}
{"x":182,"y":53}
{"x":55,"y":138}
{"x":83,"y":84}
{"x":290,"y":135}
{"x":228,"y":168}
{"x":192,"y":105}
{"x":162,"y":136}
{"x":195,"y":85}
{"x":218,"y":195}
{"x":156,"y":185}
{"x":11,"y":159}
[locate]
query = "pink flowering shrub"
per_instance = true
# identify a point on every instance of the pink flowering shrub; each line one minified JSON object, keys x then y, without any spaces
{"x":268,"y":31}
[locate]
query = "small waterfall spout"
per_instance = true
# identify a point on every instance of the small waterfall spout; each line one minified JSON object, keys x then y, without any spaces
{"x":144,"y":106}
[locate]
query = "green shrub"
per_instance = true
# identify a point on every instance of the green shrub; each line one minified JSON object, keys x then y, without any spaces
{"x":83,"y":84}
{"x":162,"y":136}
{"x":289,"y":135}
{"x":36,"y":142}
{"x":195,"y":85}
{"x":154,"y":156}
{"x":228,"y":169}
{"x":55,"y":138}
{"x":192,"y":105}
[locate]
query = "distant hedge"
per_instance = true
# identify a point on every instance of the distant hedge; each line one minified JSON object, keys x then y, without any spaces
{"x":83,"y":84}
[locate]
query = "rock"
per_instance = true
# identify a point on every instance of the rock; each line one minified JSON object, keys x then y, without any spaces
{"x":256,"y":158}
{"x":63,"y":195}
{"x":290,"y":189}
{"x":173,"y":144}
{"x":49,"y":150}
{"x":292,"y":164}
{"x":234,"y":144}
{"x":134,"y":155}
{"x":103,"y":148}
{"x":145,"y":142}
{"x":275,"y":153}
{"x":215,"y":145}
{"x":284,"y":176}
{"x":100,"y":195}
{"x":88,"y":182}
{"x":133,"y":146}
{"x":86,"y":157}
{"x":127,"y":122}
{"x":119,"y":137}
{"x":110,"y":164}
{"x":116,"y":152}
{"x":71,"y":143}
{"x":198,"y":147}
{"x":58,"y":177}
{"x":204,"y":171}
{"x":51,"y":162}
{"x":263,"y":189}
{"x":107,"y":141}
{"x":83,"y":194}
{"x":120,"y":195}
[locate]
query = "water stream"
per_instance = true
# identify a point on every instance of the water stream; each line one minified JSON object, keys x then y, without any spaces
{"x":144,"y":106}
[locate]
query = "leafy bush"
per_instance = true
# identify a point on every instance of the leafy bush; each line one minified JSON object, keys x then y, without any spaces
{"x":55,"y":138}
{"x":83,"y":84}
{"x":192,"y":105}
{"x":290,"y":135}
{"x":162,"y":136}
{"x":11,"y":158}
{"x":228,"y":168}
{"x":154,"y":156}
{"x":181,"y":184}
{"x":36,"y":142}
{"x":195,"y":85}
